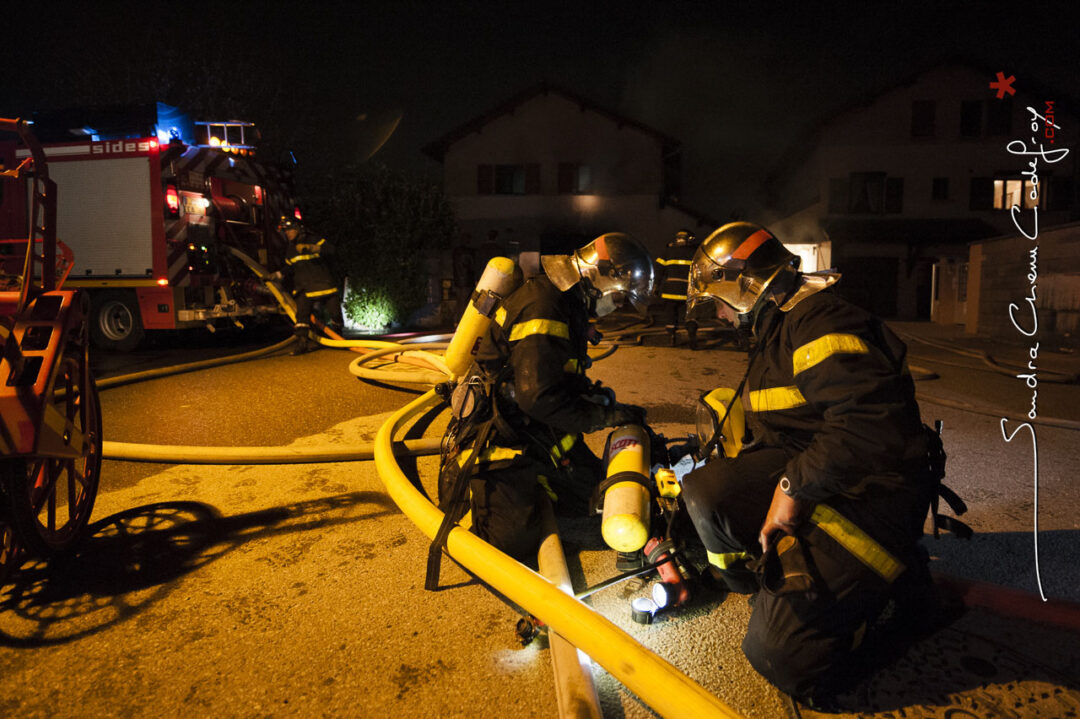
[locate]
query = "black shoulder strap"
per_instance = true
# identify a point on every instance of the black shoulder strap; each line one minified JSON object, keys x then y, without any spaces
{"x":453,"y":504}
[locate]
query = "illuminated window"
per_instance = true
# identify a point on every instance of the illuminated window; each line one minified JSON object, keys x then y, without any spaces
{"x":1001,"y":193}
{"x":1010,"y":192}
{"x":574,"y":179}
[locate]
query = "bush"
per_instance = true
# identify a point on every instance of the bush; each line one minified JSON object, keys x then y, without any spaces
{"x":382,"y":225}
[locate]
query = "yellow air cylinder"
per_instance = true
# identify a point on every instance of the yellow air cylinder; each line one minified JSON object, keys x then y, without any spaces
{"x":625,"y":526}
{"x":495,"y":284}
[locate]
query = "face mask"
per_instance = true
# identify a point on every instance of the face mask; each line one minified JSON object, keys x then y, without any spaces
{"x":605,"y":305}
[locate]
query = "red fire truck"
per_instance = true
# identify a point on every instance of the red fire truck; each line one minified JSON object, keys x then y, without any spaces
{"x":150,"y":203}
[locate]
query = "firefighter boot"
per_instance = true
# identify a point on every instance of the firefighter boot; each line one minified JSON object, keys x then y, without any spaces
{"x":301,"y":345}
{"x":691,"y":334}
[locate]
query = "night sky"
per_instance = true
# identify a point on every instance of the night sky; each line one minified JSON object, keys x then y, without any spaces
{"x":735,"y":83}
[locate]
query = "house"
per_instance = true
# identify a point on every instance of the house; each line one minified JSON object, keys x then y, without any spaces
{"x":895,"y":186}
{"x":1026,"y":286}
{"x":549,"y":170}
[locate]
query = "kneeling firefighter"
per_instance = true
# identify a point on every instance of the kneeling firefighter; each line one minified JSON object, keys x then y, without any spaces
{"x":519,"y":414}
{"x":824,"y":511}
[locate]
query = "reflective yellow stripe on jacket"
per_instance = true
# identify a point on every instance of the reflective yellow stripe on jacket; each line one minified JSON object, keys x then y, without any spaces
{"x":320,"y":293}
{"x":539,"y":327}
{"x":856,"y":541}
{"x":776,"y":398}
{"x":822,"y":348}
{"x":665,"y":263}
{"x":505,"y":454}
{"x":564,"y":445}
{"x":726,"y":560}
{"x":491,"y":454}
{"x":300,"y":258}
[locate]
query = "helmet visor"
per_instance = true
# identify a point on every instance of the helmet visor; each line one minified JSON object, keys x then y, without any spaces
{"x":729,"y":284}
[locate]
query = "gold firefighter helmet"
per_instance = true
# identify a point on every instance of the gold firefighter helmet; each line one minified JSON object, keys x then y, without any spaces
{"x":738,"y":263}
{"x":287,"y":224}
{"x":614,"y":267}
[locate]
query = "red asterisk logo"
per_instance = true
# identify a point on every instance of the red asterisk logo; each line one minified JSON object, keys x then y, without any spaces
{"x":1003,"y":85}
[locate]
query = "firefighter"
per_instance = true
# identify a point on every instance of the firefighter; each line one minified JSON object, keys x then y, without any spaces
{"x":823,"y":512}
{"x":675,"y":269}
{"x":533,"y":360}
{"x":313,"y":286}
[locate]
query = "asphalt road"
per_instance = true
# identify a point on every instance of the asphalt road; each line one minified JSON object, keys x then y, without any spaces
{"x":297,"y":590}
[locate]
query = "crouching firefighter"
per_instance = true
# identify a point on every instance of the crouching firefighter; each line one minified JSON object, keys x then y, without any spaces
{"x":520,"y":412}
{"x":823,"y":512}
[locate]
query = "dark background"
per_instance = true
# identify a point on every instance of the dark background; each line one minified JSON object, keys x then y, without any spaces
{"x":735,"y":82}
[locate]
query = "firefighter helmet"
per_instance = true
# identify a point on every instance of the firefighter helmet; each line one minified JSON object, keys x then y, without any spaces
{"x":287,"y":224}
{"x":683,"y":237}
{"x":736,"y":264}
{"x":613,"y":268}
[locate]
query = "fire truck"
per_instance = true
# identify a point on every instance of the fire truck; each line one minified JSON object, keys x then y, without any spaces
{"x":150,"y":203}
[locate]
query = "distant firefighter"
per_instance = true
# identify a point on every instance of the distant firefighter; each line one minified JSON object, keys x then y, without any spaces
{"x":313,"y":285}
{"x":675,"y":272}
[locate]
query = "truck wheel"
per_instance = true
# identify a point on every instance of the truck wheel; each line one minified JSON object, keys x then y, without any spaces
{"x":51,"y":498}
{"x":115,"y":322}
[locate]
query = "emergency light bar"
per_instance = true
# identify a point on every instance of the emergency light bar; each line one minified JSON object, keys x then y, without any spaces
{"x":232,"y":136}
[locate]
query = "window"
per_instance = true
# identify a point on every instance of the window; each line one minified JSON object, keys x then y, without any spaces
{"x":1001,"y":193}
{"x":999,"y":117}
{"x":508,"y":179}
{"x":1009,"y":192}
{"x":971,"y":118}
{"x":922,"y":118}
{"x":940,"y":189}
{"x":962,"y":282}
{"x":574,"y":179}
{"x":866,"y":193}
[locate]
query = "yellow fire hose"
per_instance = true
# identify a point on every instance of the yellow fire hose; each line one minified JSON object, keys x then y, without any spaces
{"x":658,"y":683}
{"x":261,"y":455}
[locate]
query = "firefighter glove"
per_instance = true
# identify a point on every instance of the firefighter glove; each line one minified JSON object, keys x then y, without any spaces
{"x":626,"y":414}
